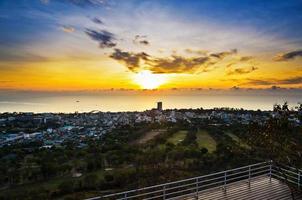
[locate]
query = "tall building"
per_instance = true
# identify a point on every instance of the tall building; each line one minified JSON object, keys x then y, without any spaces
{"x":160,"y":106}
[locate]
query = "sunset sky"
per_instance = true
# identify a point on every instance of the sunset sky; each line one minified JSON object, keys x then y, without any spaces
{"x":148,"y":44}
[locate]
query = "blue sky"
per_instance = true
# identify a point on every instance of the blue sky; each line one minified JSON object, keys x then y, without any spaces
{"x":23,"y":21}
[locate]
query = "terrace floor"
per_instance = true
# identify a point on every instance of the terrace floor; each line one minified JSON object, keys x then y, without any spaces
{"x":261,"y":189}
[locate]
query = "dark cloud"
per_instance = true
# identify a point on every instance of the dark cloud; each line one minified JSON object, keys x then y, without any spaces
{"x":235,"y":88}
{"x":245,"y":58}
{"x":239,"y":71}
{"x":259,"y":82}
{"x":287,"y":81}
{"x":104,"y":38}
{"x":274,"y":87}
{"x":198,"y":52}
{"x":178,"y":64}
{"x":88,"y":2}
{"x":141,"y":39}
{"x":172,"y":64}
{"x":222,"y":55}
{"x":81,"y":3}
{"x":97,"y":20}
{"x":132,"y":60}
{"x":294,"y":80}
{"x":288,"y":56}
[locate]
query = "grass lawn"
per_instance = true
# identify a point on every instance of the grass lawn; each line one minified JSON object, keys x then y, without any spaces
{"x":177,"y":137}
{"x":205,"y":140}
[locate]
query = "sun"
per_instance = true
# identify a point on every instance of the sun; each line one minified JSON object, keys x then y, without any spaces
{"x":149,"y":81}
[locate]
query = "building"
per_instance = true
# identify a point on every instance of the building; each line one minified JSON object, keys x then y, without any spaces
{"x":160,"y":106}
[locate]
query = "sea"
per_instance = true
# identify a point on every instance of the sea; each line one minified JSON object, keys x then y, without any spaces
{"x":130,"y":100}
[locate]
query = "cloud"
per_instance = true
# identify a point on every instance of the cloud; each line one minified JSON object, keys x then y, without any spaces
{"x":245,"y":58}
{"x":235,"y":88}
{"x":141,"y":39}
{"x":274,"y":87}
{"x":97,"y":20}
{"x":178,"y":64}
{"x":293,"y":80}
{"x":239,"y":71}
{"x":88,"y":2}
{"x":222,"y":55}
{"x":67,"y":29}
{"x":288,"y":56}
{"x":104,"y":38}
{"x":286,"y":81}
{"x":13,"y":56}
{"x":132,"y":60}
{"x":81,"y":3}
{"x":259,"y":82}
{"x":172,"y":64}
{"x":198,"y":52}
{"x":44,"y":1}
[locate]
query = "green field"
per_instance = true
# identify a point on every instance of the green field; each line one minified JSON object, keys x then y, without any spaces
{"x":177,"y":137}
{"x":237,"y":139}
{"x":205,"y":140}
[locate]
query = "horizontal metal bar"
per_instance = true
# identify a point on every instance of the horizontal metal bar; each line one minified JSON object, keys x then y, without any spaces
{"x":284,"y":179}
{"x":193,"y":188}
{"x":234,"y":178}
{"x":180,"y":186}
{"x":287,"y":176}
{"x":202,"y":186}
{"x":288,"y":171}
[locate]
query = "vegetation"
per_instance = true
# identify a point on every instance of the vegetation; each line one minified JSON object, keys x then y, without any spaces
{"x":117,"y":162}
{"x":177,"y":137}
{"x":205,"y":140}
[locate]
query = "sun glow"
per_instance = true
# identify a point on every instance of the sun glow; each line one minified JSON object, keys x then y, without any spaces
{"x":147,"y":80}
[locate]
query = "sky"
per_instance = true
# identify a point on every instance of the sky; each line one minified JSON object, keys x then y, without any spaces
{"x":71,"y":45}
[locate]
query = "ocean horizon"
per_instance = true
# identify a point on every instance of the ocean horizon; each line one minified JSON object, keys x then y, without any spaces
{"x":122,"y":101}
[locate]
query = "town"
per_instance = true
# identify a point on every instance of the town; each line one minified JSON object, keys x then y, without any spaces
{"x":52,"y":129}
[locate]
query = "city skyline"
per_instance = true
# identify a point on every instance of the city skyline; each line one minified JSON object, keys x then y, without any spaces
{"x":72,"y":45}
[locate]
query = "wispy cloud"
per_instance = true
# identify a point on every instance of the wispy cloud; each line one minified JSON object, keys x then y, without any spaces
{"x":196,"y":51}
{"x":67,"y":29}
{"x":288,"y":56}
{"x":141,"y":39}
{"x":81,"y":2}
{"x":104,"y":38}
{"x":97,"y":20}
{"x":263,"y":82}
{"x":239,"y":71}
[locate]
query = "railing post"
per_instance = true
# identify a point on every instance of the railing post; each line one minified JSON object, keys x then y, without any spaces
{"x":270,"y":172}
{"x":197,"y":190}
{"x":299,"y":180}
{"x":125,"y":196}
{"x":249,"y":176}
{"x":225,"y":181}
{"x":164,"y":192}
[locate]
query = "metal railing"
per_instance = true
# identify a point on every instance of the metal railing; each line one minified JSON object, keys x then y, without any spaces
{"x":193,"y":186}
